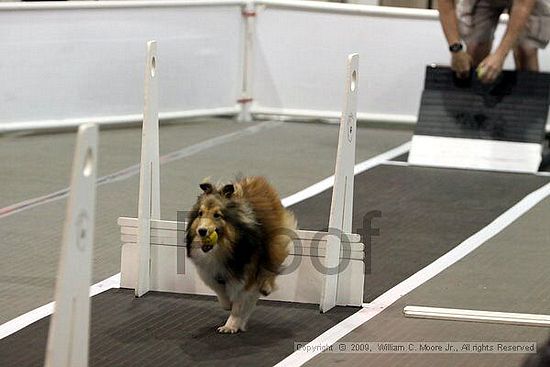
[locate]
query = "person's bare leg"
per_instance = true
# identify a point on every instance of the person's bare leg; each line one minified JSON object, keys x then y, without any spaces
{"x":478,"y":51}
{"x":526,"y":58}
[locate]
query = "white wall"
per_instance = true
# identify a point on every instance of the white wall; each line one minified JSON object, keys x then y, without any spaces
{"x":88,"y":63}
{"x":301,"y":54}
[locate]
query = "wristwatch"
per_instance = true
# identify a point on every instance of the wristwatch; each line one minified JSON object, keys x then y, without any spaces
{"x":455,"y":47}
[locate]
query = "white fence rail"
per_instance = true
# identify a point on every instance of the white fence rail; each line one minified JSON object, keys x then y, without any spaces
{"x":65,"y":64}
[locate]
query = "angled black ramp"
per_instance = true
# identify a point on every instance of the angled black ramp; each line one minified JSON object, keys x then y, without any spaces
{"x":467,"y":124}
{"x":514,"y":109}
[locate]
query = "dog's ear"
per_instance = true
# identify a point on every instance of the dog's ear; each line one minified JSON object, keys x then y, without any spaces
{"x":206,"y":187}
{"x":228,"y":190}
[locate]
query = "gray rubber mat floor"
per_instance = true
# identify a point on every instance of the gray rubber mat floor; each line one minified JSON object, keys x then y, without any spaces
{"x":163,"y":329}
{"x":148,"y":332}
{"x":289,"y":154}
{"x":508,"y":273}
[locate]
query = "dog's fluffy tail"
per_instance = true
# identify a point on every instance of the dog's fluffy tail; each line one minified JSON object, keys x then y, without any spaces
{"x":278,"y":251}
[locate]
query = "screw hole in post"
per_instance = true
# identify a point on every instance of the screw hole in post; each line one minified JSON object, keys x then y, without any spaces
{"x":88,"y":163}
{"x":153,"y":66}
{"x":353,"y":84}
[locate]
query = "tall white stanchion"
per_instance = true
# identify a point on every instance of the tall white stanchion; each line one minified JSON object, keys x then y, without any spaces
{"x":249,"y":13}
{"x":149,"y":180}
{"x":68,"y":337}
{"x":341,"y":210}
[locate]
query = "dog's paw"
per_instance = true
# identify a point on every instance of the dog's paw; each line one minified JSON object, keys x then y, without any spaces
{"x":228,"y":329}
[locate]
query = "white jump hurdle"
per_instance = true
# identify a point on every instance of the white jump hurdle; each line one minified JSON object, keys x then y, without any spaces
{"x":68,"y":336}
{"x":152,"y":256}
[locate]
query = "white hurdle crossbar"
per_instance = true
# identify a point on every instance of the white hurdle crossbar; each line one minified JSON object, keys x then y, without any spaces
{"x":341,"y":209}
{"x":68,"y":338}
{"x":149,"y":176}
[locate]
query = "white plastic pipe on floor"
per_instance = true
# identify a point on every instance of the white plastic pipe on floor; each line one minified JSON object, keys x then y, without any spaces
{"x":438,"y":313}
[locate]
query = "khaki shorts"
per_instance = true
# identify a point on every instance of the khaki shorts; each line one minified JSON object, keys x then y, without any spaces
{"x":478,"y":20}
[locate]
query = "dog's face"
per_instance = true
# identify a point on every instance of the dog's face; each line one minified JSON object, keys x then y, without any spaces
{"x":207,"y":217}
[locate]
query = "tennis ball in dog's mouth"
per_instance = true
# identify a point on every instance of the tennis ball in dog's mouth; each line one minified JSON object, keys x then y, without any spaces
{"x":213,"y":238}
{"x":209,"y":242}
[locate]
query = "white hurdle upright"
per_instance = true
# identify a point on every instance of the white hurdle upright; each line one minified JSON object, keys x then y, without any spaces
{"x":151,"y":258}
{"x":149,"y":175}
{"x":68,"y":337}
{"x":341,"y":209}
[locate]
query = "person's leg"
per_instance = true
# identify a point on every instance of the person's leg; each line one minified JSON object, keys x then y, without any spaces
{"x":535,"y":36}
{"x":526,"y":58}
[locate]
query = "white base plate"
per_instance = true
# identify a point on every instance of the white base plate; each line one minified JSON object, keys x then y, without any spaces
{"x":475,"y":154}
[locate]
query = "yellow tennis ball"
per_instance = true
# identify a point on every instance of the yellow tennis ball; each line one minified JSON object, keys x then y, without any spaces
{"x":480,"y":71}
{"x":212,"y":239}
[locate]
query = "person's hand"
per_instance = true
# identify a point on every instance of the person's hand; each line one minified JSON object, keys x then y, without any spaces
{"x":461,"y":63}
{"x":490,"y":68}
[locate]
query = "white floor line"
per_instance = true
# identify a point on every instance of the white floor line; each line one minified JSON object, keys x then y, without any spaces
{"x":133,"y":170}
{"x":372,"y":309}
{"x":28,"y":318}
{"x":329,"y":181}
{"x":396,"y":163}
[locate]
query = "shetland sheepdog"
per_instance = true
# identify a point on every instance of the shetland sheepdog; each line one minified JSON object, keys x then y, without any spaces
{"x":238,"y":236}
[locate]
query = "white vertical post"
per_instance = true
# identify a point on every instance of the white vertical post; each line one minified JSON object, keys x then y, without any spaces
{"x":149,"y":178}
{"x":341,"y":210}
{"x":249,"y":14}
{"x":68,"y":337}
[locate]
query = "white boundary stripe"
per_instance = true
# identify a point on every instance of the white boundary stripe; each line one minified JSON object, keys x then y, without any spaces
{"x":372,"y":309}
{"x":30,"y":317}
{"x":396,"y":163}
{"x":328,"y":182}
